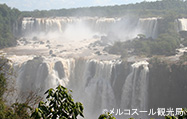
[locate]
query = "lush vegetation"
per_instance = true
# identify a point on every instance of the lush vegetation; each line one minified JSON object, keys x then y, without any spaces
{"x":165,"y":44}
{"x":106,"y":116}
{"x":59,"y":104}
{"x":143,"y":9}
{"x":16,"y":110}
{"x":8,"y":19}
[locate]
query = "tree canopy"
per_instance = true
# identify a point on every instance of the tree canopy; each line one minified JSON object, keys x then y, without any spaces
{"x":59,"y":104}
{"x":8,"y":19}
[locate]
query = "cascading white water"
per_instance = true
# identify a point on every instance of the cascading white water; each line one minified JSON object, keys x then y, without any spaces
{"x":97,"y":84}
{"x":148,"y":27}
{"x":122,"y":27}
{"x":181,"y":24}
{"x":59,"y":24}
{"x":44,"y":25}
{"x":135,"y":89}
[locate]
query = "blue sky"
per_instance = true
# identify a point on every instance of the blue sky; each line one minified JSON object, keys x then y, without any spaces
{"x":28,"y":5}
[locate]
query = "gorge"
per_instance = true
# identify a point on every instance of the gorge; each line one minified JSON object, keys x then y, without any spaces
{"x":62,"y":51}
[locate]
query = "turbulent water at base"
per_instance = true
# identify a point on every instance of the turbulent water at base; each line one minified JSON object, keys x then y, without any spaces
{"x":181,"y":24}
{"x":97,"y":84}
{"x":123,"y":27}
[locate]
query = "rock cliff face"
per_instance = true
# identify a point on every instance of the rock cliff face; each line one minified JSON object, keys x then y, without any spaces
{"x":168,"y":85}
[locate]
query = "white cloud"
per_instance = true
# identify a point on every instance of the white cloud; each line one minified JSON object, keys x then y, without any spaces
{"x":151,"y":0}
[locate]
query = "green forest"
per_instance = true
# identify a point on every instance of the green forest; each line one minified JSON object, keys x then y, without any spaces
{"x":8,"y":19}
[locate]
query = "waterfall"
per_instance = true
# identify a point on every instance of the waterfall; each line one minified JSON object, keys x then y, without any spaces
{"x":181,"y":24}
{"x":148,"y":27}
{"x":43,"y":25}
{"x":135,"y":89}
{"x":97,"y":84}
{"x":59,"y":24}
{"x":124,"y":28}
